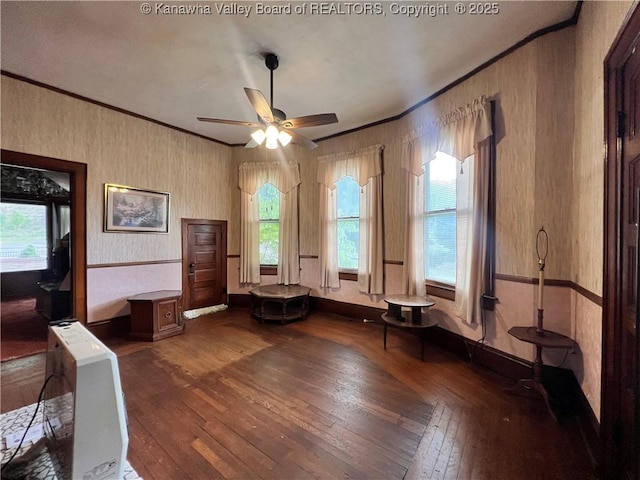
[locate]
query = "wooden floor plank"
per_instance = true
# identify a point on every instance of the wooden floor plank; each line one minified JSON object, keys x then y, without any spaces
{"x":317,"y":399}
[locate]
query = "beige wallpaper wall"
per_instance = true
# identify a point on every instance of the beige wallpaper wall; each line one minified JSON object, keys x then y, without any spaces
{"x":598,"y":26}
{"x":596,"y":31}
{"x":121,"y":149}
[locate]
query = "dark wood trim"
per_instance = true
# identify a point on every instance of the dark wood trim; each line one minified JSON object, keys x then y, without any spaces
{"x":239,"y":300}
{"x":544,"y":31}
{"x":440,"y":290}
{"x":612,"y":304}
{"x":78,"y":178}
{"x":349,"y":276}
{"x":184,"y":228}
{"x":393,"y":262}
{"x":133,"y":264}
{"x":532,"y":280}
{"x":344,"y":309}
{"x":309,"y":256}
{"x":106,"y":105}
{"x":235,"y":255}
{"x":268,"y":270}
{"x":116,"y":327}
{"x":597,"y":299}
{"x":490,"y":248}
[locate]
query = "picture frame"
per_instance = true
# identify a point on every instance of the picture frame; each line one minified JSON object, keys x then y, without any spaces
{"x":135,"y":210}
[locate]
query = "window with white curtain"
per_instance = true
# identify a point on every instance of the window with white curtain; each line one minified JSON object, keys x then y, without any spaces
{"x":440,"y":219}
{"x":348,"y":222}
{"x":465,"y":133}
{"x":269,"y":214}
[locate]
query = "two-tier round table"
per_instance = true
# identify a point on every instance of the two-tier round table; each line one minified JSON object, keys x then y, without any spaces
{"x":415,"y":303}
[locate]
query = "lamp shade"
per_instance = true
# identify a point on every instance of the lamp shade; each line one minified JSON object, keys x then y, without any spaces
{"x":284,"y":138}
{"x":259,"y":136}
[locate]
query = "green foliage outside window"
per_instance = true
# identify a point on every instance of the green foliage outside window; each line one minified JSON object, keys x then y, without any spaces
{"x":23,"y":237}
{"x":348,"y":192}
{"x":269,"y":208}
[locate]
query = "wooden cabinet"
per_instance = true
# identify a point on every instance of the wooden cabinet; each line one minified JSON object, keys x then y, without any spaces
{"x":156,"y":315}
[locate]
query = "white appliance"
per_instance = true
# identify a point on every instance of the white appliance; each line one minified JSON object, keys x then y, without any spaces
{"x":84,"y":413}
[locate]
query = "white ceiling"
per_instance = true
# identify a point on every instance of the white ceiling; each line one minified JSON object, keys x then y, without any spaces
{"x":172,"y":68}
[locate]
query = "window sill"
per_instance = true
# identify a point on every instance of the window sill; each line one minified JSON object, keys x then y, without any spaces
{"x":268,"y":270}
{"x":441,"y":290}
{"x":351,"y":276}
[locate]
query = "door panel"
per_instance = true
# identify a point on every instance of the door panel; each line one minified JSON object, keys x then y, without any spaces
{"x":204,"y":262}
{"x":628,"y":340}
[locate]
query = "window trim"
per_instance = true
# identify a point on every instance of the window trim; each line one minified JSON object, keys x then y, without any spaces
{"x":439,"y":289}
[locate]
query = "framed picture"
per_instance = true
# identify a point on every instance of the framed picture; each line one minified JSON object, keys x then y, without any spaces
{"x":128,"y":209}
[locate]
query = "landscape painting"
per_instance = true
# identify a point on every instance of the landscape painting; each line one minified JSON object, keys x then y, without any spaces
{"x":128,"y":209}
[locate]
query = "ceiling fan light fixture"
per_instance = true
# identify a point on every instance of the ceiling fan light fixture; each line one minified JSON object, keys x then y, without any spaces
{"x":284,"y":138}
{"x":272,"y":137}
{"x":259,"y":136}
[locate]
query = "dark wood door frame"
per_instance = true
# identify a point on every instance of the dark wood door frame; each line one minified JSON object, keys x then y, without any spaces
{"x":185,"y":253}
{"x":610,"y":461}
{"x":78,"y":178}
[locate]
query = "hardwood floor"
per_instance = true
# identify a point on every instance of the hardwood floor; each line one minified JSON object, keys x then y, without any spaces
{"x":320,"y":398}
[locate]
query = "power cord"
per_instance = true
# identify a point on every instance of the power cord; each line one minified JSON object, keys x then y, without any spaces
{"x":483,"y":322}
{"x":40,"y":395}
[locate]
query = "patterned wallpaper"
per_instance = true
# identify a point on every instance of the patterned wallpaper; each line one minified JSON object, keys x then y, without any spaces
{"x":124,"y":150}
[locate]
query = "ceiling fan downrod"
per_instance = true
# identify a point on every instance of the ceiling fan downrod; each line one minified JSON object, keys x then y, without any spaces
{"x":271,"y":61}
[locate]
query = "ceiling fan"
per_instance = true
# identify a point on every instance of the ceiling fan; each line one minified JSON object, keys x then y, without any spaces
{"x":273,"y":124}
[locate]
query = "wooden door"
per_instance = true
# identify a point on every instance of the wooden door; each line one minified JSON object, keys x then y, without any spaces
{"x":620,"y":401}
{"x":204,"y":263}
{"x":630,"y":135}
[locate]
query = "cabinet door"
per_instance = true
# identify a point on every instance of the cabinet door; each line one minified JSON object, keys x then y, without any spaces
{"x":167,"y":315}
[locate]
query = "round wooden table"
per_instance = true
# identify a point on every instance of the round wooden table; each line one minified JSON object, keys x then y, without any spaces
{"x":394,"y":317}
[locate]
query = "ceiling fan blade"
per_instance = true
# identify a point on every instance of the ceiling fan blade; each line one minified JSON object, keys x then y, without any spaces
{"x":229,"y":122}
{"x":260,"y":104}
{"x":301,"y":140}
{"x":310,"y":120}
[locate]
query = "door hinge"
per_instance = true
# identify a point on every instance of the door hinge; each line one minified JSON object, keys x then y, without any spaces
{"x":621,"y":124}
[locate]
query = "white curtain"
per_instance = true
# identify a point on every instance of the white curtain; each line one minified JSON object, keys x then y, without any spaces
{"x":285,"y":176}
{"x":461,"y":133}
{"x":413,"y":264}
{"x":365,"y":166}
{"x":288,"y":246}
{"x":370,"y":258}
{"x":328,"y":238}
{"x":249,"y":238}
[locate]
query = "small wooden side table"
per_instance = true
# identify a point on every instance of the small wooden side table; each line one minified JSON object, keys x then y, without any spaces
{"x":283,"y":303}
{"x":543,"y":339}
{"x":394,"y":317}
{"x":156,"y":315}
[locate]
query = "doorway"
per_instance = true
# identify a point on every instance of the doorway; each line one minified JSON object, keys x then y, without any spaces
{"x":65,"y":257}
{"x":620,"y":418}
{"x":204,"y":263}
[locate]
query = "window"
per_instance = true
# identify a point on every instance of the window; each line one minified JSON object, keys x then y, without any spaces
{"x":348,"y":201}
{"x":440,"y":219}
{"x":23,"y":237}
{"x":269,"y":207}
